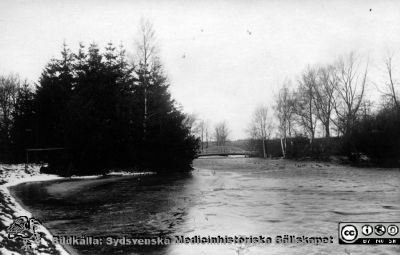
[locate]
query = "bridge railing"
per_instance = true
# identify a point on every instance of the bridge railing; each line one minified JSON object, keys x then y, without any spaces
{"x":246,"y":154}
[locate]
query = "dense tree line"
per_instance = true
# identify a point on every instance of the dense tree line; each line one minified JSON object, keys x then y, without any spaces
{"x":13,"y":115}
{"x":331,"y":99}
{"x":103,"y":111}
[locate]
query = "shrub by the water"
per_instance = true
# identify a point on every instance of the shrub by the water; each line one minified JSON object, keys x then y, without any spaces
{"x":378,"y":136}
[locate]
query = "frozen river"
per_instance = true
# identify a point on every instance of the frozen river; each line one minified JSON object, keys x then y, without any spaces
{"x":224,"y":196}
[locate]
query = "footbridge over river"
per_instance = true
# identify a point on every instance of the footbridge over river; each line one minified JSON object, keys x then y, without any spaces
{"x":226,"y":151}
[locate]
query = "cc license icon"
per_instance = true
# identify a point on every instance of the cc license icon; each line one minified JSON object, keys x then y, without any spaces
{"x":380,"y":230}
{"x":349,"y":233}
{"x":367,"y":230}
{"x":392,"y":230}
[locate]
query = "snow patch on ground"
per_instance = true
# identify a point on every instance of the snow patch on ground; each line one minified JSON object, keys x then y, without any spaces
{"x":11,"y":175}
{"x":123,"y":173}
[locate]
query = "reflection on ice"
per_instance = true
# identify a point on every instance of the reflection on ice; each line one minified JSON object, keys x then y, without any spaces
{"x":240,"y":197}
{"x":226,"y":196}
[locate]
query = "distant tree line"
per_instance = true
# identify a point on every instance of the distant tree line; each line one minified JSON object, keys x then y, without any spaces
{"x":104,"y":111}
{"x":217,"y":136}
{"x":331,"y":101}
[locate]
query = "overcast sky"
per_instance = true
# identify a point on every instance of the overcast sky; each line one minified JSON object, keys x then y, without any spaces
{"x":237,"y":53}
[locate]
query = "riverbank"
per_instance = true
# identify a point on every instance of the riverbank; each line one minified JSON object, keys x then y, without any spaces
{"x":10,"y":209}
{"x":113,"y":206}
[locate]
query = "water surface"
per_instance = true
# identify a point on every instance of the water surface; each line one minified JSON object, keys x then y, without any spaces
{"x":225,"y":196}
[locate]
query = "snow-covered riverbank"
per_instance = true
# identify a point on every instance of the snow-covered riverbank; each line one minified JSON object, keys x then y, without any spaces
{"x":11,"y":175}
{"x":10,"y":209}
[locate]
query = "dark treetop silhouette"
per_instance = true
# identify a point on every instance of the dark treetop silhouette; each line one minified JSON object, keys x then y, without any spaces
{"x":92,"y":104}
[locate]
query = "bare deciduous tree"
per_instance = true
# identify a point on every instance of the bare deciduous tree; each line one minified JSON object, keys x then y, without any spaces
{"x":146,"y":61}
{"x":261,"y":127}
{"x":190,"y":122}
{"x":391,"y":85}
{"x":284,"y":109}
{"x":349,"y":92}
{"x":199,"y":128}
{"x":207,"y":133}
{"x":324,"y":93}
{"x":202,"y":130}
{"x":9,"y":86}
{"x":221,"y":133}
{"x":252,"y":132}
{"x":305,"y":106}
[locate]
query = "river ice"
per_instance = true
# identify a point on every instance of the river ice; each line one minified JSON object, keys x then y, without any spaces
{"x":225,"y":196}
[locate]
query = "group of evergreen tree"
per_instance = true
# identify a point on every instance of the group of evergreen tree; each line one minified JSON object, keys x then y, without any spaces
{"x":105,"y":113}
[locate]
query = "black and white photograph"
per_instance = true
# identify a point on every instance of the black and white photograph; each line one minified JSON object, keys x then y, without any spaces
{"x":184,"y":127}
